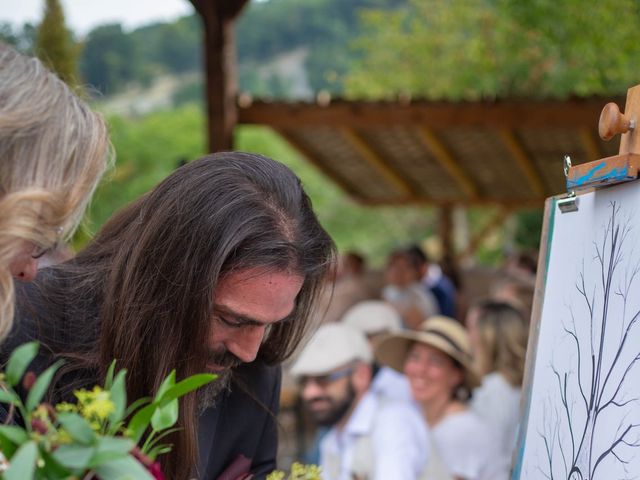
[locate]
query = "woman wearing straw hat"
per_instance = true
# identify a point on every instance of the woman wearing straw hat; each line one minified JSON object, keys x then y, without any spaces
{"x":437,"y":361}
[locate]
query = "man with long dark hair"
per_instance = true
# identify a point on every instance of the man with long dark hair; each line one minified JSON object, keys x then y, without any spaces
{"x":216,"y":269}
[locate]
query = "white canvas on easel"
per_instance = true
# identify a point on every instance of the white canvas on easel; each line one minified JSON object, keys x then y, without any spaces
{"x":584,"y":415}
{"x":582,"y":391}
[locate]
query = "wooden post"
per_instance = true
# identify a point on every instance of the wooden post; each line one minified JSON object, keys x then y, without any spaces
{"x":446,"y":231}
{"x":220,"y":69}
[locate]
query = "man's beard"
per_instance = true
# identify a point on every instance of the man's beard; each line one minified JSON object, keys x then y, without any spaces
{"x":208,"y":394}
{"x":338,"y":408}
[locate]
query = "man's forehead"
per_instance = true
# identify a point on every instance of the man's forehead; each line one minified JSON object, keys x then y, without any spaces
{"x":259,"y":295}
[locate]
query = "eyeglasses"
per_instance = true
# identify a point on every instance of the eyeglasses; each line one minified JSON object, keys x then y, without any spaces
{"x":324,"y":380}
{"x":39,"y":251}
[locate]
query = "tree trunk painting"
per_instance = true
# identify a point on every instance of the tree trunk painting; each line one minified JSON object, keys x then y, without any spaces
{"x":584,"y":416}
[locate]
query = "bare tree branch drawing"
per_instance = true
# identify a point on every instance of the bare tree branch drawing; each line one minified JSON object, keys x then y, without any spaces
{"x":594,"y":389}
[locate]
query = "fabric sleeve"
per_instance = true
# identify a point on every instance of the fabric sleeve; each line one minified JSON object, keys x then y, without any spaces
{"x":400,"y":443}
{"x":264,"y":461}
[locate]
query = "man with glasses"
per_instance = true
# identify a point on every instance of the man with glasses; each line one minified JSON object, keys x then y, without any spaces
{"x":369,"y":436}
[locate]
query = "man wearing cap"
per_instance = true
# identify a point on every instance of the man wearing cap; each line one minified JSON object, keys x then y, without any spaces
{"x":370,"y":437}
{"x":376,"y":319}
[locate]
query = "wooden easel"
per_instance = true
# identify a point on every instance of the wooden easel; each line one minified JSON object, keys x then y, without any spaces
{"x":618,"y":168}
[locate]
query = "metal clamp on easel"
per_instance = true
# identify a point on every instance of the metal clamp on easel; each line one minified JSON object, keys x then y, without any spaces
{"x":619,"y":168}
{"x":570,"y":202}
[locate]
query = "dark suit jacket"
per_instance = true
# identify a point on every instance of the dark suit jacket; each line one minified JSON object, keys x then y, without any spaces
{"x":241,"y":423}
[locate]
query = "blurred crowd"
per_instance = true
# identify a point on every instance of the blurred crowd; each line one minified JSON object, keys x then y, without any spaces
{"x":416,"y":371}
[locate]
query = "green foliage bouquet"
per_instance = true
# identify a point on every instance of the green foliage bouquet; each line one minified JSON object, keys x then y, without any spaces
{"x":99,"y":436}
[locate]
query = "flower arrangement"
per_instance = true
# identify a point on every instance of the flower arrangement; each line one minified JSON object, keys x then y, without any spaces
{"x":99,"y":436}
{"x":298,"y":472}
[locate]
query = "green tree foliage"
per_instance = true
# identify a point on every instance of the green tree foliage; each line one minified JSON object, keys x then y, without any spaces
{"x":497,"y":48}
{"x":325,"y":27}
{"x":23,"y":39}
{"x":54,"y":43}
{"x":109,"y":58}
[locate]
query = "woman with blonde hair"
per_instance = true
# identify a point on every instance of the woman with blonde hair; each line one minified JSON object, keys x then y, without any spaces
{"x":498,"y":332}
{"x":437,"y":361}
{"x":53,"y":151}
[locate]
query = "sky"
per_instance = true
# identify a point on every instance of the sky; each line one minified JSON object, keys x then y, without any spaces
{"x":83,"y":15}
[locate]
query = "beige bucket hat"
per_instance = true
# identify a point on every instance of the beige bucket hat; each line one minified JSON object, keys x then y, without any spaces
{"x":442,"y":333}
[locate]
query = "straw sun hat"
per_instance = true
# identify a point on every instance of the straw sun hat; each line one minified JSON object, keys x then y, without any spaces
{"x":442,"y":333}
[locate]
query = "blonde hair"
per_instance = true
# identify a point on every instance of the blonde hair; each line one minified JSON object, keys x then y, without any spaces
{"x":502,"y":334}
{"x":53,"y":151}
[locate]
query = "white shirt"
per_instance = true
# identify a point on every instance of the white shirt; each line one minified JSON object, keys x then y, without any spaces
{"x":393,"y":385}
{"x":468,"y":448}
{"x":497,"y":402}
{"x":396,"y":439}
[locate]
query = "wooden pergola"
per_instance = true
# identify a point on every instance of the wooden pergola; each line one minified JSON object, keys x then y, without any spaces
{"x":506,"y":152}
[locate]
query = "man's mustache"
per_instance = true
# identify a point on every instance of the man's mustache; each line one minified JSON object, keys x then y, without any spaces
{"x":224,"y":359}
{"x":313,"y":400}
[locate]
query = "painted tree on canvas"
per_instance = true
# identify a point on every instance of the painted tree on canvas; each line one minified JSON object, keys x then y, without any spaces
{"x":588,"y":422}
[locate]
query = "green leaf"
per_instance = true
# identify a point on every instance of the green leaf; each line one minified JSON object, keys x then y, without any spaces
{"x":140,"y":422}
{"x":109,"y":449}
{"x":8,"y":396}
{"x":41,"y":385}
{"x":137,"y":404}
{"x":14,"y":434}
{"x":7,"y":447}
{"x":158,"y":450}
{"x":108,"y":379}
{"x":52,"y":470}
{"x":118,"y":397}
{"x":74,"y":456}
{"x":77,"y":427}
{"x":127,"y":468}
{"x":19,"y":361}
{"x":23,"y":463}
{"x":165,"y":416}
{"x":168,"y":382}
{"x":187,"y":385}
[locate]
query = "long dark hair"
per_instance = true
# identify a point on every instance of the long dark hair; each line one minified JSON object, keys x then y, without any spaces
{"x":153,"y":268}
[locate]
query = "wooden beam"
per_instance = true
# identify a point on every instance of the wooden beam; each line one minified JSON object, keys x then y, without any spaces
{"x":577,"y":113}
{"x":220,"y":69}
{"x":524,"y":161}
{"x":377,"y":163}
{"x":446,"y":160}
{"x":310,"y":155}
{"x":590,"y":145}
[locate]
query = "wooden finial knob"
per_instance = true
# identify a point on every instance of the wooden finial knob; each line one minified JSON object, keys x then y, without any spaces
{"x":612,"y":122}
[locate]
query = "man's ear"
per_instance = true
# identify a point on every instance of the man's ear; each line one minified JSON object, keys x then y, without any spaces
{"x":361,"y":377}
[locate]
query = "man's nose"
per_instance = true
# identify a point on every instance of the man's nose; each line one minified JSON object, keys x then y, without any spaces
{"x":246,"y":343}
{"x":310,"y":390}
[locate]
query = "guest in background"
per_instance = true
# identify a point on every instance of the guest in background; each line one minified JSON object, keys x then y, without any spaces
{"x":369,"y":436}
{"x":53,"y":151}
{"x":404,"y":291}
{"x":435,"y":281}
{"x":346,"y":289}
{"x":498,"y":335}
{"x":377,"y":319}
{"x":437,"y":361}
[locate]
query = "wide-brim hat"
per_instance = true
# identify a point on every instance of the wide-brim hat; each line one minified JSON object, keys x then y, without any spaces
{"x":373,"y":317}
{"x":442,"y":333}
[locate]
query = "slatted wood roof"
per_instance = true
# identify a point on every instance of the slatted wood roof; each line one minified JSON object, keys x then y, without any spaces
{"x":440,"y":153}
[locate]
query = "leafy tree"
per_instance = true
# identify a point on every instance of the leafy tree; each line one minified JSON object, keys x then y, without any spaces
{"x":495,"y":48}
{"x":109,"y":58}
{"x":54,"y":43}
